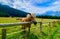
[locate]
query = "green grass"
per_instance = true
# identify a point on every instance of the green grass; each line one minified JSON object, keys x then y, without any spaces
{"x":47,"y":32}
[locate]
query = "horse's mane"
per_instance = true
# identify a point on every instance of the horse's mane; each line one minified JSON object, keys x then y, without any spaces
{"x":29,"y":15}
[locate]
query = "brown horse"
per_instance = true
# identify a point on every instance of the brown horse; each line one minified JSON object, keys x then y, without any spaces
{"x":28,"y":18}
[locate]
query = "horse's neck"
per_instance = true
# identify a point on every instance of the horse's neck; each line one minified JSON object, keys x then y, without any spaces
{"x":29,"y":19}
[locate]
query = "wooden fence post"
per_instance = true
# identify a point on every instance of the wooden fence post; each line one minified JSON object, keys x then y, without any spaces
{"x":49,"y":25}
{"x":3,"y":33}
{"x":53,"y":23}
{"x":49,"y":28}
{"x":40,"y":27}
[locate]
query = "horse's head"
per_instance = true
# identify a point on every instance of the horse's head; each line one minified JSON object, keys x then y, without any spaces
{"x":31,"y":17}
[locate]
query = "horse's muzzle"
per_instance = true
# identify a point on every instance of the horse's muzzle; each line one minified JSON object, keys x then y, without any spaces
{"x":34,"y":22}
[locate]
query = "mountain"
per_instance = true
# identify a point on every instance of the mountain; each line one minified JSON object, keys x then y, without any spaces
{"x":6,"y":11}
{"x":50,"y":13}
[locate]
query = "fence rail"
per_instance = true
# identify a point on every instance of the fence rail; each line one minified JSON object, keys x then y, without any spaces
{"x":13,"y":24}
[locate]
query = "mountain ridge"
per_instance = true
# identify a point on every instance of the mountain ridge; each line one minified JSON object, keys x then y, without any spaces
{"x":50,"y":13}
{"x":8,"y":11}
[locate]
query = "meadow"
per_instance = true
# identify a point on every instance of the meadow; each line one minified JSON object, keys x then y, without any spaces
{"x":14,"y":32}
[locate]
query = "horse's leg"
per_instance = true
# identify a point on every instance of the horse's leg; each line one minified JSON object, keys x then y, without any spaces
{"x":29,"y":30}
{"x":24,"y":32}
{"x":23,"y":28}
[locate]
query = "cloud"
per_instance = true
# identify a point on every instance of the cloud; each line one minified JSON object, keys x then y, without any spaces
{"x":27,"y":6}
{"x":41,"y":10}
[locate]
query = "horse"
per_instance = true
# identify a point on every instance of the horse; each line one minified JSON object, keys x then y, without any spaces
{"x":28,"y":18}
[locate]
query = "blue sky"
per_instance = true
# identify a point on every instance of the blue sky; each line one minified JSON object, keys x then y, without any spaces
{"x":33,"y":6}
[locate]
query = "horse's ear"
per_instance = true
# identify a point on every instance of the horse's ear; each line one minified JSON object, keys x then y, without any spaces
{"x":33,"y":14}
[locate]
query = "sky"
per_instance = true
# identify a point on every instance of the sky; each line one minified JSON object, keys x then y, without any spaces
{"x":33,"y":6}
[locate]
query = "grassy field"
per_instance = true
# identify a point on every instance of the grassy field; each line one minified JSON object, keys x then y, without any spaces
{"x":14,"y":32}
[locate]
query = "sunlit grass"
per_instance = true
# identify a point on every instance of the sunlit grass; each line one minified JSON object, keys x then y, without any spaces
{"x":48,"y":33}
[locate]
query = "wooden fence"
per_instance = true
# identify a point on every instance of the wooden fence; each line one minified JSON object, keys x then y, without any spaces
{"x":20,"y":23}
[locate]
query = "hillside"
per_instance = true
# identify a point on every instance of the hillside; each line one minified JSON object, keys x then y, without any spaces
{"x":6,"y":11}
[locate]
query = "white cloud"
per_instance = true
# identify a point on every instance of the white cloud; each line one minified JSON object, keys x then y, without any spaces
{"x":32,"y":9}
{"x":26,"y":5}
